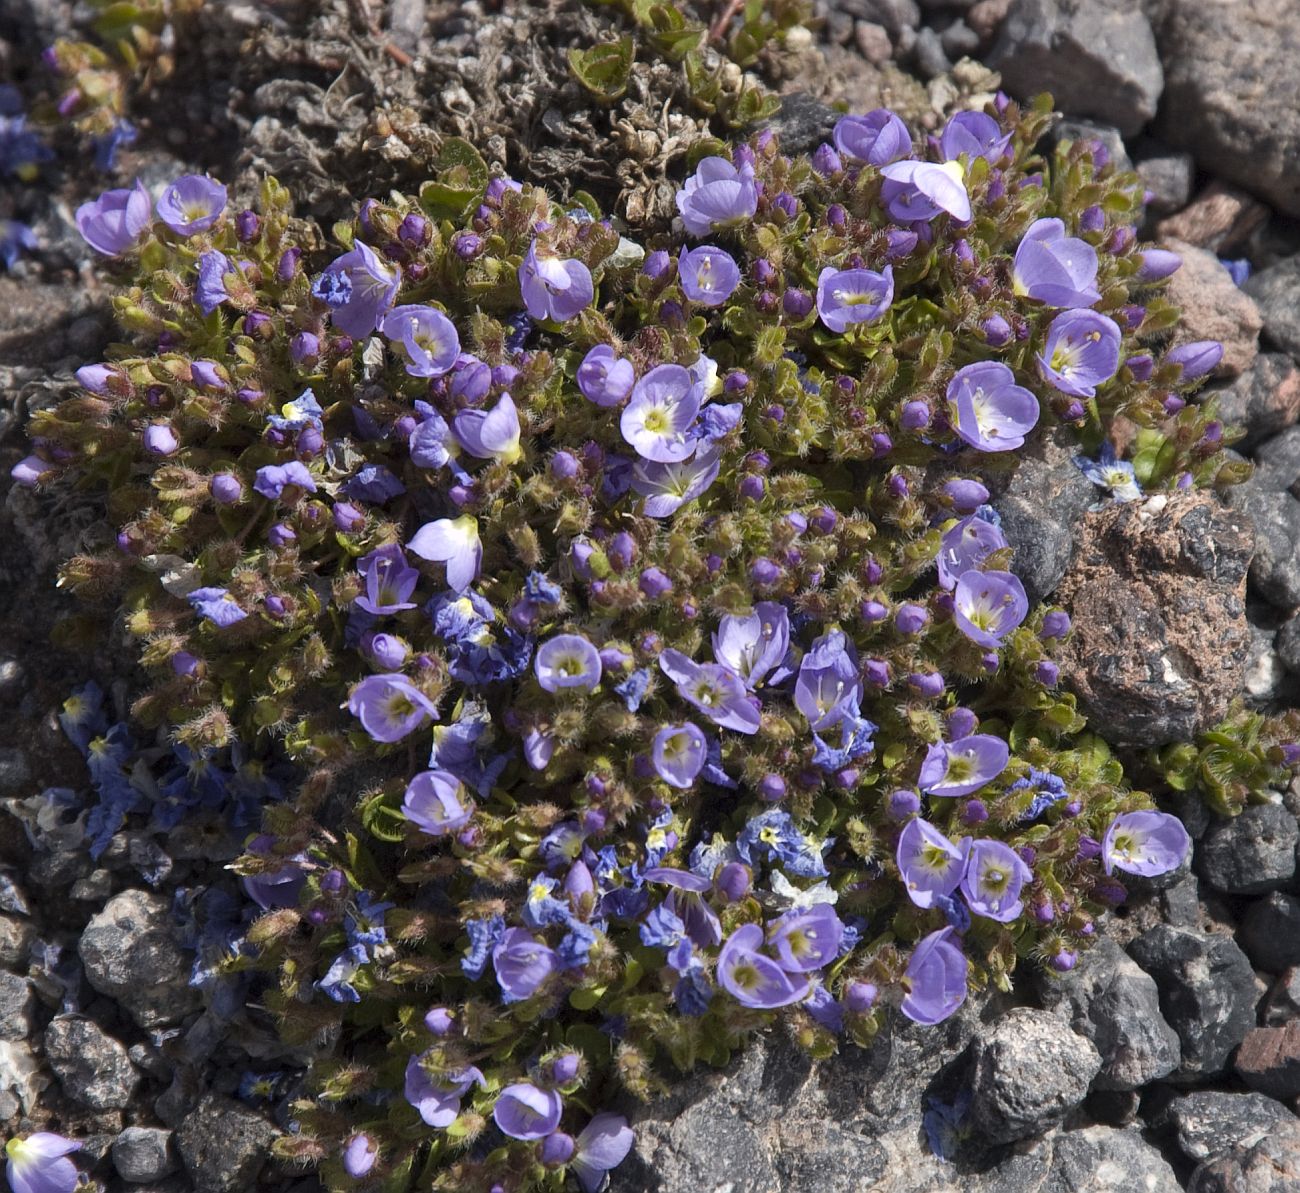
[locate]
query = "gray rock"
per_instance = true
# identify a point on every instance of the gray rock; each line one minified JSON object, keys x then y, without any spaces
{"x":16,"y":936}
{"x":1074,"y":129}
{"x":1275,"y":568}
{"x":802,"y":123}
{"x":1269,"y":1060}
{"x":1097,"y":57}
{"x":1287,"y":644}
{"x":131,"y":954}
{"x":1282,"y":1003}
{"x":17,"y":1004}
{"x":1027,"y":1074}
{"x":894,"y":15}
{"x":959,"y":40}
{"x":931,"y":61}
{"x":1232,"y":95}
{"x":92,"y":1067}
{"x":1207,"y":994}
{"x":1214,"y":307}
{"x":1270,"y":1166}
{"x":1277,"y":462}
{"x":1210,"y":1123}
{"x":1116,"y":1005}
{"x":1270,"y":932}
{"x":1167,"y":174}
{"x":1251,"y":853}
{"x":1106,"y":1160}
{"x":1276,"y":291}
{"x":15,"y":772}
{"x":144,"y":1154}
{"x":224,"y":1145}
{"x":1264,"y":400}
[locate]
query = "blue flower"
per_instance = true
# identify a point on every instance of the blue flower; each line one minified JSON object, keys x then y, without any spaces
{"x":1108,"y":472}
{"x":540,"y":589}
{"x":662,"y":929}
{"x":954,"y":911}
{"x":773,"y":836}
{"x":107,"y":144}
{"x":541,"y":908}
{"x":365,"y":923}
{"x":633,"y":688}
{"x":373,"y":483}
{"x":693,"y":993}
{"x":484,"y":936}
{"x":712,"y":769}
{"x":575,"y":945}
{"x":337,"y":982}
{"x":856,"y":741}
{"x":83,"y":716}
{"x":943,"y":1122}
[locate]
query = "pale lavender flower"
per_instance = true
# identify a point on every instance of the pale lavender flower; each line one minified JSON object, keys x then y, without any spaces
{"x":848,"y":296}
{"x":435,"y":803}
{"x":994,"y":877}
{"x":1195,"y":359}
{"x":603,"y":1144}
{"x":806,"y":940}
{"x":359,"y":288}
{"x":273,"y":479}
{"x":39,"y":1163}
{"x":390,"y":707}
{"x":708,"y":275}
{"x":965,"y":545}
{"x":438,"y":1102}
{"x":714,"y":690}
{"x":678,"y":754}
{"x":210,"y":289}
{"x":554,"y":288}
{"x":935,"y":978}
{"x":390,"y":580}
{"x":877,"y":138}
{"x":752,"y":646}
{"x":1157,"y":264}
{"x":160,"y":440}
{"x":658,"y":419}
{"x":192,"y":204}
{"x":454,"y":542}
{"x":1081,"y":352}
{"x":976,"y":134}
{"x":522,"y":963}
{"x":921,"y":190}
{"x":605,"y":378}
{"x":686,"y":901}
{"x":567,"y":661}
{"x":490,"y":434}
{"x":360,"y":1152}
{"x":929,"y":864}
{"x":216,"y":605}
{"x":426,"y":339}
{"x":1146,"y":843}
{"x":115,"y":221}
{"x":1111,"y":473}
{"x":523,"y":1111}
{"x":987,"y":606}
{"x":963,"y":766}
{"x":717,"y":195}
{"x":1055,"y":269}
{"x":752,"y":979}
{"x":988,"y":409}
{"x":828,"y":688}
{"x":668,"y":487}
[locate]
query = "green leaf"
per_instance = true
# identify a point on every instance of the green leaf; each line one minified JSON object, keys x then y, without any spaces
{"x":604,"y":69}
{"x":382,"y":816}
{"x":462,"y":177}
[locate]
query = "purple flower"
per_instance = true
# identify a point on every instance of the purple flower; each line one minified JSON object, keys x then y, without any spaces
{"x":389,"y":581}
{"x":921,"y":190}
{"x":847,"y":296}
{"x":426,"y":339}
{"x":207,"y":374}
{"x":828,"y":689}
{"x":988,"y":409}
{"x":963,"y":766}
{"x":877,"y":138}
{"x":216,"y":605}
{"x":717,"y":195}
{"x":604,"y":377}
{"x":750,"y":647}
{"x":714,"y":690}
{"x":936,"y":979}
{"x":359,"y":288}
{"x":678,"y":754}
{"x":658,"y":419}
{"x":434,"y":803}
{"x":160,"y":440}
{"x":752,"y":979}
{"x":567,"y":661}
{"x":273,"y":479}
{"x":337,"y":983}
{"x":1195,"y":359}
{"x":373,"y":483}
{"x":994,"y":877}
{"x":988,"y":606}
{"x":929,"y":864}
{"x":685,"y":902}
{"x":114,"y":222}
{"x":390,"y":707}
{"x":553,"y":288}
{"x":668,"y":487}
{"x":454,"y":542}
{"x":428,"y":442}
{"x":965,"y":545}
{"x":490,"y":434}
{"x":210,"y":289}
{"x":192,"y":204}
{"x":39,"y":1163}
{"x":1055,"y":269}
{"x":525,"y":1112}
{"x":1157,"y":264}
{"x":808,"y":940}
{"x":976,"y":134}
{"x":360,"y":1152}
{"x":1082,"y":352}
{"x":438,"y":1102}
{"x":1145,"y":843}
{"x":708,"y":275}
{"x":603,"y":1144}
{"x":522,"y":964}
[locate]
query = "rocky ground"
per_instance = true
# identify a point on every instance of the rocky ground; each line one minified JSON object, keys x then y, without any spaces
{"x":1170,"y":1058}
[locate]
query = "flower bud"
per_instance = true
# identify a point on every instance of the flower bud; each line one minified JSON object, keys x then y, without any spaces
{"x":387,"y":651}
{"x":657,"y":264}
{"x":439,"y":1021}
{"x":1140,"y":366}
{"x":903,"y":803}
{"x":1092,"y":219}
{"x":797,"y":304}
{"x":1157,"y":264}
{"x":564,"y":466}
{"x":304,"y":348}
{"x":1047,"y":673}
{"x":160,"y":440}
{"x":876,"y":673}
{"x":752,"y":487}
{"x":467,"y":245}
{"x":911,"y":619}
{"x":771,"y":787}
{"x":281,"y":535}
{"x":225,"y":488}
{"x":927,"y":684}
{"x":556,"y":1149}
{"x":733,"y":882}
{"x":247,"y":225}
{"x":997,"y":331}
{"x":860,"y":997}
{"x":974,"y":812}
{"x":287,"y":269}
{"x":914,"y":415}
{"x":764,"y":572}
{"x":654,"y":583}
{"x":826,"y":161}
{"x":837,"y":217}
{"x":873,"y":611}
{"x":1195,"y":359}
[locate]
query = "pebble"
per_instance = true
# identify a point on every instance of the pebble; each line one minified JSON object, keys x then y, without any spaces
{"x":92,"y":1067}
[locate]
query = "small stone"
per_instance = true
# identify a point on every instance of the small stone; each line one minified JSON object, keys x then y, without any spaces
{"x":130,"y":953}
{"x":1287,"y":644}
{"x":1283,"y":1000}
{"x":224,"y":1145}
{"x":13,"y":680}
{"x":959,"y":40}
{"x":94,"y":888}
{"x":92,"y":1067}
{"x":1276,"y":291}
{"x":144,"y":1154}
{"x":1207,"y":994}
{"x":15,"y":772}
{"x":1275,"y":569}
{"x":1113,"y":1003}
{"x":1167,"y":174}
{"x":1214,"y":308}
{"x":1270,"y":931}
{"x":1097,"y":57}
{"x":1220,"y":218}
{"x":1251,"y":853}
{"x":1105,"y":1160}
{"x":986,"y":18}
{"x":931,"y":60}
{"x":17,"y":1004}
{"x":16,"y":936}
{"x":803,"y":122}
{"x":1210,"y":1123}
{"x":1277,"y":462}
{"x":873,"y":42}
{"x":1271,"y":1166}
{"x":1027,"y":1074}
{"x":893,"y":15}
{"x":153,"y":1062}
{"x":1264,"y":400}
{"x":1269,"y":1060}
